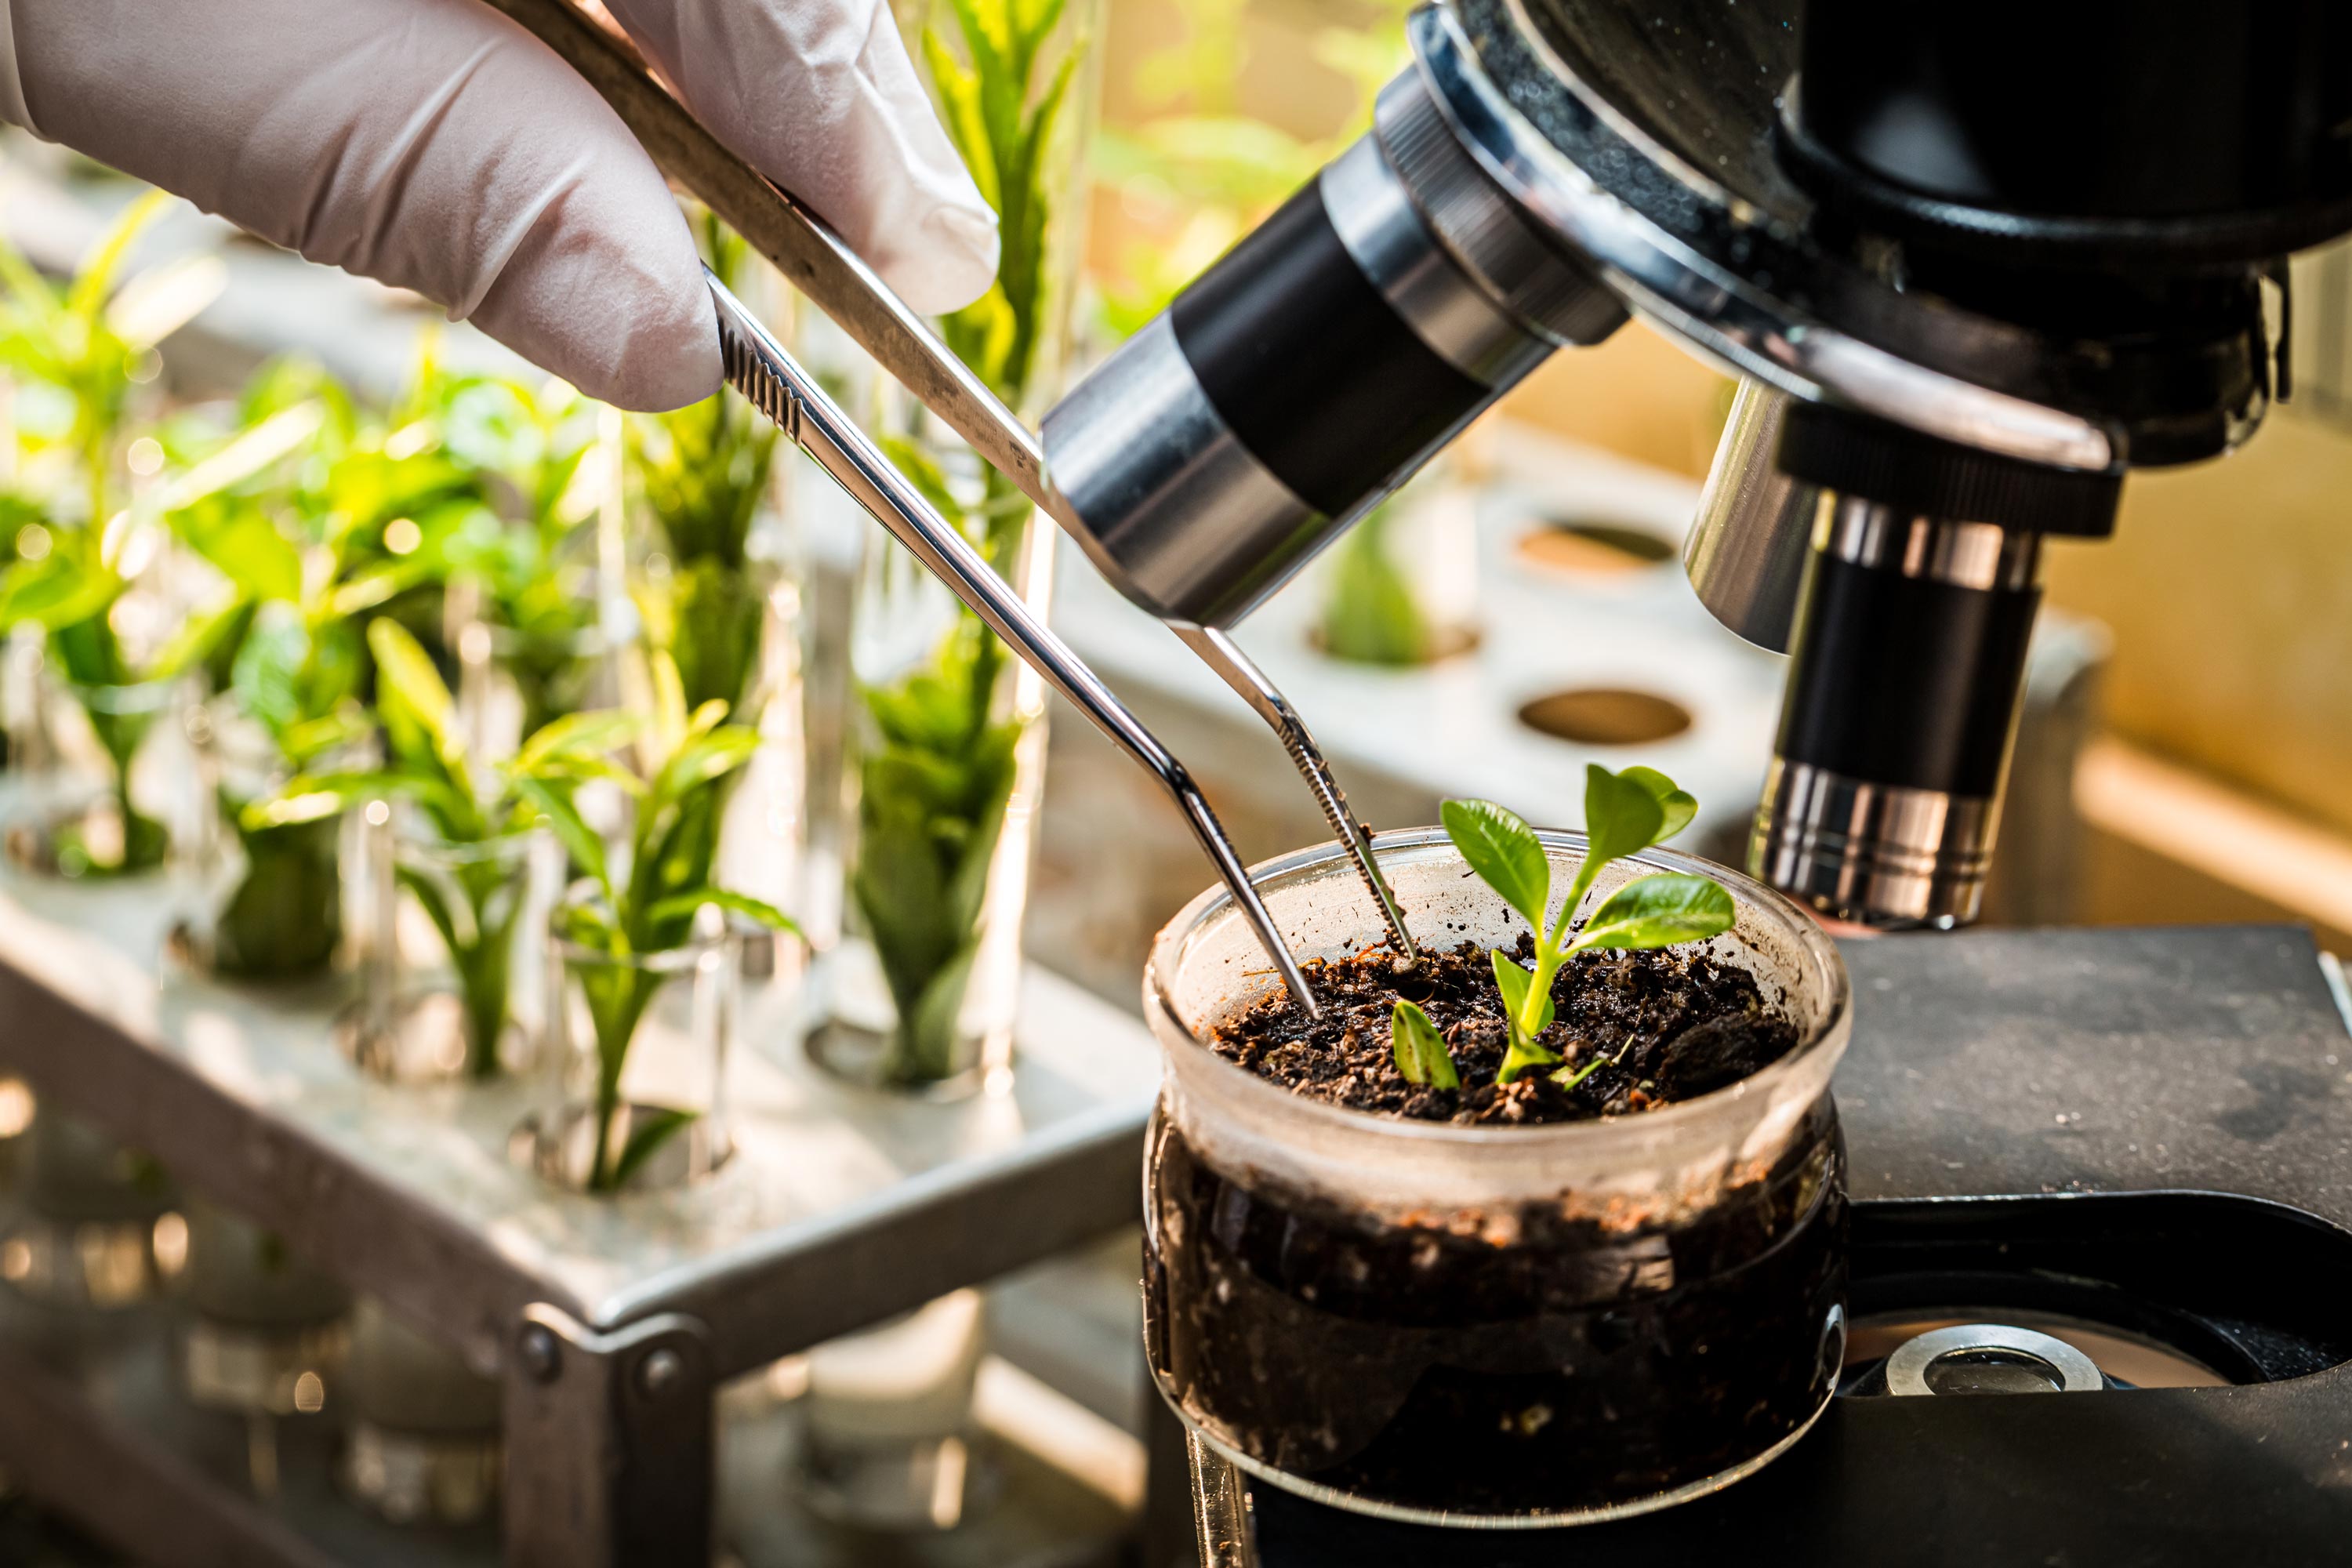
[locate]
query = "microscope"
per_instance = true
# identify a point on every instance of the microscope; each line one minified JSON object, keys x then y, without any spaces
{"x":1972,"y":263}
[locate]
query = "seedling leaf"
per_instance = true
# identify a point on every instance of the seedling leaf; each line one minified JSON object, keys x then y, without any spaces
{"x":1676,"y":805}
{"x":757,"y":910}
{"x":1421,"y":1054}
{"x":571,"y":830}
{"x":1518,"y":986}
{"x":1513,"y":982}
{"x":650,"y":1127}
{"x":1658,"y":911}
{"x":1624,"y":813}
{"x":1505,"y":852}
{"x":1621,"y":815}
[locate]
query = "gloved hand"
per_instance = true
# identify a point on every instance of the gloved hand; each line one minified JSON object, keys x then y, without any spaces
{"x":437,"y":145}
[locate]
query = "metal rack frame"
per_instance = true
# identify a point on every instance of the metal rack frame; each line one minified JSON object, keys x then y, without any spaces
{"x":611,"y":1322}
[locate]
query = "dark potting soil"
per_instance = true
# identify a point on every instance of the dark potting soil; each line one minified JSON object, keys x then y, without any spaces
{"x":1670,"y":1024}
{"x":1538,"y":1361}
{"x":1422,"y":1364}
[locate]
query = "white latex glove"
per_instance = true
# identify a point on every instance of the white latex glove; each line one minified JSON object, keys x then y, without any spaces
{"x":437,"y":145}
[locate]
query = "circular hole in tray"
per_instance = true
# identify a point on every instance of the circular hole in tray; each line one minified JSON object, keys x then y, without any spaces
{"x":1595,"y":547}
{"x":1606,"y":716}
{"x":1446,"y":642}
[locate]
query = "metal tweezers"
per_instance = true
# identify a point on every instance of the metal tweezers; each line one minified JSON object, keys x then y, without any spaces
{"x":815,"y":261}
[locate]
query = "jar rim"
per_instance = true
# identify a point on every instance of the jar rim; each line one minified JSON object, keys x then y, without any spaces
{"x":1827,"y":1033}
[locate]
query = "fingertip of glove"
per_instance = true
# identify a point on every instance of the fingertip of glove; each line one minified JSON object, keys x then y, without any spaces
{"x":683,"y":368}
{"x":952,"y":263}
{"x":629,"y":324}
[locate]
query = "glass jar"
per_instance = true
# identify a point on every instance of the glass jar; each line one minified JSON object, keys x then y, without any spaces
{"x":1401,"y":589}
{"x":1479,"y":1325}
{"x":944,"y":758}
{"x":265,"y":1332}
{"x":512,"y":681}
{"x":268,"y":901}
{"x":24,"y":738}
{"x":888,"y":1419}
{"x":637,"y":1048}
{"x":945,"y":763}
{"x":421,"y":1437}
{"x":117,"y":791}
{"x":97,"y":1229}
{"x":456,"y":964}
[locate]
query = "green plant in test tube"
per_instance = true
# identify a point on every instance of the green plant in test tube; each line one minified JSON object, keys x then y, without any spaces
{"x":938,"y":766}
{"x":80,"y":352}
{"x":528,"y":546}
{"x":316,"y":516}
{"x":649,"y":903}
{"x":465,"y":803}
{"x":701,"y":473}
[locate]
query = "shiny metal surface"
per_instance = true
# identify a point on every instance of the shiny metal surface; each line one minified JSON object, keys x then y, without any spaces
{"x":1708,"y":302}
{"x":639,"y":1489}
{"x":1982,"y":555}
{"x":1239,"y":671}
{"x":1492,"y":240}
{"x":1909,"y":1368}
{"x":1221,"y":1509}
{"x":758,"y":366}
{"x":1174,"y":510}
{"x":1880,"y":855}
{"x":1169,"y":505}
{"x":1421,"y":281}
{"x":1745,"y":553}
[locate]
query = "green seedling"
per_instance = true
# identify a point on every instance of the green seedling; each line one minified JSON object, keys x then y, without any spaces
{"x":1002,"y":110}
{"x":1625,"y":814}
{"x":475,"y":907}
{"x":527,"y":545}
{"x":76,"y":355}
{"x":937,"y":760}
{"x":700,"y":473}
{"x":1421,"y":1054}
{"x":651,"y":907}
{"x":265,"y":503}
{"x":1370,"y":613}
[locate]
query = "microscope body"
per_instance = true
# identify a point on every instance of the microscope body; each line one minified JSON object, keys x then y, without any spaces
{"x":1974,"y":262}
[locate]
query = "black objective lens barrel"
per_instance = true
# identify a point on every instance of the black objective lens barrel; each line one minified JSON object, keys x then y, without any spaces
{"x":1312,"y":369}
{"x":1908,"y":661}
{"x":1906,"y":667}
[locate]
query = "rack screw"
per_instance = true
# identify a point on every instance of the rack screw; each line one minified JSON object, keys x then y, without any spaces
{"x":543,"y":1357}
{"x":659,"y":1373}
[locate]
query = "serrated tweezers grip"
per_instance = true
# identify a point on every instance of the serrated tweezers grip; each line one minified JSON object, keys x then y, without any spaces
{"x":757,"y":366}
{"x":766,"y":389}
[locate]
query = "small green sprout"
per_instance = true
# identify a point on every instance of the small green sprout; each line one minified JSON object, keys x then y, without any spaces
{"x":1421,"y":1054}
{"x":1625,"y":814}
